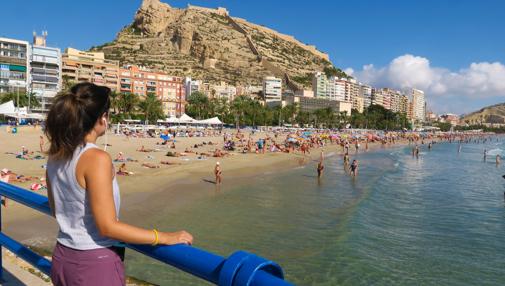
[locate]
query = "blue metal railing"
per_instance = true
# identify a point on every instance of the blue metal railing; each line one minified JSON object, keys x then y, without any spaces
{"x":240,"y":268}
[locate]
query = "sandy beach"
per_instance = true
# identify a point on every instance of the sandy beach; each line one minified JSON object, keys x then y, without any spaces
{"x":139,"y":191}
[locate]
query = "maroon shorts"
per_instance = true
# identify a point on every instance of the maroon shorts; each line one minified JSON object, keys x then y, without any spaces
{"x":95,"y":267}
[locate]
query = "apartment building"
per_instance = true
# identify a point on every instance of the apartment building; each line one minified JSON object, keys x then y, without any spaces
{"x":170,"y":90}
{"x":79,"y":66}
{"x":14,"y":65}
{"x":272,"y":90}
{"x":418,"y":104}
{"x":45,"y":72}
{"x":365,"y":92}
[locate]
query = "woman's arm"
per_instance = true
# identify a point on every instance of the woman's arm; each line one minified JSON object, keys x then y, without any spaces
{"x":95,"y":165}
{"x":50,"y":197}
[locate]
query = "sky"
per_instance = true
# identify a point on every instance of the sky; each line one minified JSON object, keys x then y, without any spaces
{"x":454,"y":50}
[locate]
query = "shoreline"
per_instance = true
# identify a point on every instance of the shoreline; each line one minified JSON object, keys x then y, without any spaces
{"x":23,"y":223}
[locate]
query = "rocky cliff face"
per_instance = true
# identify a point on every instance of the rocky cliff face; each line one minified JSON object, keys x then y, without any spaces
{"x":209,"y":44}
{"x":490,"y":114}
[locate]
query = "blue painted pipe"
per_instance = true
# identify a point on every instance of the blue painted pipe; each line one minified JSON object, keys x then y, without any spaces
{"x":26,"y":254}
{"x":241,"y":268}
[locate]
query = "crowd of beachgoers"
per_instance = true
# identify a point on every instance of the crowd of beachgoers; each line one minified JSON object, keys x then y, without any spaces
{"x":178,"y":146}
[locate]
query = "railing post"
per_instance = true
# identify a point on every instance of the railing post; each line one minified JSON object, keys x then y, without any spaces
{"x":2,"y":200}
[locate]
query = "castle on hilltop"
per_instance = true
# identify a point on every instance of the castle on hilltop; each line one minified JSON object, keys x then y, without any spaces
{"x":219,"y":10}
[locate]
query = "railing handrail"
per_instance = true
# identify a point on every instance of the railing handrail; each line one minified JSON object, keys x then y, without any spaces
{"x":240,"y":268}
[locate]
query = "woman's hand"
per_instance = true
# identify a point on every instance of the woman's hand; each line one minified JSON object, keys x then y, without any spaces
{"x":170,"y":238}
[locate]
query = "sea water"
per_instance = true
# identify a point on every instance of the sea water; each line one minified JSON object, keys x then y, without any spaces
{"x":435,"y":220}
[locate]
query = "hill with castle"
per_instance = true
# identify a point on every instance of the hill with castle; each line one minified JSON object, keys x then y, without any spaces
{"x":209,"y":44}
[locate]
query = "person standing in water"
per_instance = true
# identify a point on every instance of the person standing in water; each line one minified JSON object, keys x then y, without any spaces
{"x":354,"y":168}
{"x":83,"y":194}
{"x":320,"y":166}
{"x":346,"y":159}
{"x":217,"y":173}
{"x":485,"y":155}
{"x":498,"y":159}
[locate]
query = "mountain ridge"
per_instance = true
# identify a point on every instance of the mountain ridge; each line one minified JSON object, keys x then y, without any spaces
{"x":490,"y":114}
{"x":209,"y":44}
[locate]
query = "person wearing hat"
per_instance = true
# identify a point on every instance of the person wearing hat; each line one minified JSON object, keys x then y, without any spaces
{"x":217,"y":173}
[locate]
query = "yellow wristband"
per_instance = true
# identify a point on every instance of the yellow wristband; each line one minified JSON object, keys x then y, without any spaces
{"x":156,"y":237}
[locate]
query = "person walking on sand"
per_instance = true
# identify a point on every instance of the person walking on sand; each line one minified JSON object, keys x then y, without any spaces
{"x":84,"y":196}
{"x":217,"y":173}
{"x":41,"y":144}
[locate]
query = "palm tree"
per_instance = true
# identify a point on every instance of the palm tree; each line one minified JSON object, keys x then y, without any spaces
{"x":238,"y":108}
{"x":151,"y":107}
{"x":24,"y":99}
{"x":114,"y":101}
{"x":67,"y":83}
{"x":127,"y":103}
{"x":197,"y":103}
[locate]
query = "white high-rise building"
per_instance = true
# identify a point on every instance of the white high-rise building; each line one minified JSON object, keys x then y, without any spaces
{"x":191,"y":86}
{"x":332,"y":88}
{"x":365,"y":92}
{"x":272,"y":90}
{"x":45,"y":72}
{"x":418,"y":104}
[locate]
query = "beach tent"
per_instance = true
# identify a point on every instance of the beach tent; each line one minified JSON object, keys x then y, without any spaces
{"x":186,"y":119}
{"x":173,"y":120}
{"x":7,"y":107}
{"x":211,"y":121}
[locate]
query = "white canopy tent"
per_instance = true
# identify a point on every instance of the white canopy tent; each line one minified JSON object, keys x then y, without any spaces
{"x":188,"y":120}
{"x":211,"y":121}
{"x":8,"y":109}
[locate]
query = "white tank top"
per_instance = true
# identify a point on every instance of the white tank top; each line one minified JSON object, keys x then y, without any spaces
{"x":73,"y":213}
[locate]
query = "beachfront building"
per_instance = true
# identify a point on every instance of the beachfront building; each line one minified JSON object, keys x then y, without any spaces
{"x":358,"y":103}
{"x":14,"y":65}
{"x":222,"y":91}
{"x":377,"y":97}
{"x":44,"y":72}
{"x":191,"y":86}
{"x":304,"y":93}
{"x":79,"y":66}
{"x":418,"y":104}
{"x":451,"y":118}
{"x":334,"y":88}
{"x":352,"y":89}
{"x":311,"y":104}
{"x":170,"y":90}
{"x":272,"y":90}
{"x":365,"y":92}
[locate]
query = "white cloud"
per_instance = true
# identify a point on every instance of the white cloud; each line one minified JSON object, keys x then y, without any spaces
{"x":479,"y":80}
{"x":460,"y":91}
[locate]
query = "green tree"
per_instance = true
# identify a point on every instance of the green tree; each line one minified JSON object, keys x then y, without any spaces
{"x":198,"y":102}
{"x":127,"y":102}
{"x":114,"y":101}
{"x":67,"y":83}
{"x":151,"y":108}
{"x":24,"y":99}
